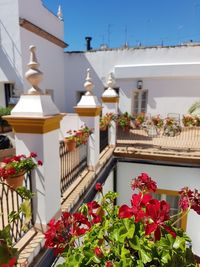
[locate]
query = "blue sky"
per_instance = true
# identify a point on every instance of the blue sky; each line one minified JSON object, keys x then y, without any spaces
{"x":113,"y":22}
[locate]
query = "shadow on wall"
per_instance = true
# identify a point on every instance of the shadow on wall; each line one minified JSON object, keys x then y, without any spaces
{"x":9,"y":53}
{"x":76,"y":78}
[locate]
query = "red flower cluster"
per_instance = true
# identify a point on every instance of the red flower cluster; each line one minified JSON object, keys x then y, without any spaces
{"x":60,"y":232}
{"x":98,"y":187}
{"x":190,"y":199}
{"x":144,"y":183}
{"x":18,"y":164}
{"x":10,"y":264}
{"x":98,"y":252}
{"x":152,"y":212}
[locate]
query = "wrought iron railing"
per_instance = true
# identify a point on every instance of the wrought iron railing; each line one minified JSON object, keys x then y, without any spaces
{"x":72,"y":164}
{"x":10,"y":201}
{"x":103,"y":140}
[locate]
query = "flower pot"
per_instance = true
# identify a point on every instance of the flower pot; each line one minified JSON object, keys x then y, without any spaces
{"x":15,"y":181}
{"x":70,"y":145}
{"x":103,"y":128}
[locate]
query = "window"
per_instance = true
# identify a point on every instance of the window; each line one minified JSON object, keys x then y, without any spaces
{"x":172,"y":197}
{"x":139,"y":101}
{"x":79,"y":94}
{"x":9,"y":94}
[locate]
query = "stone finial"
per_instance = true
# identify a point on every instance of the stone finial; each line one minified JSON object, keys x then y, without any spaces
{"x":34,"y":75}
{"x":88,"y":84}
{"x":111,"y":81}
{"x":59,"y":13}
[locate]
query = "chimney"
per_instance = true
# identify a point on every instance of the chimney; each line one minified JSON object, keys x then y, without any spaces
{"x":88,"y":43}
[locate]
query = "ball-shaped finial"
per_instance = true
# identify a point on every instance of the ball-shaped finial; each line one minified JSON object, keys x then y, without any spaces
{"x":88,"y":83}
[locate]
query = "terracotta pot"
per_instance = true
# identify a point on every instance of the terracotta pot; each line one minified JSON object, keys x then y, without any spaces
{"x":15,"y":181}
{"x":70,"y":145}
{"x":103,"y":128}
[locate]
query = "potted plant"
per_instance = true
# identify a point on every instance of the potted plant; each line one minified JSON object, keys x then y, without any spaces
{"x":171,"y":127}
{"x":139,"y":120}
{"x":105,"y":121}
{"x":70,"y":141}
{"x":12,"y":169}
{"x":124,"y":121}
{"x":157,"y":121}
{"x":189,"y":120}
{"x":8,"y":253}
{"x":143,"y":234}
{"x":4,"y":126}
{"x":77,"y":137}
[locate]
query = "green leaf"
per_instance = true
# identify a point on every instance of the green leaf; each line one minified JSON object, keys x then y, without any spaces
{"x":134,"y":243}
{"x":165,"y":257}
{"x":145,"y":256}
{"x":179,"y":243}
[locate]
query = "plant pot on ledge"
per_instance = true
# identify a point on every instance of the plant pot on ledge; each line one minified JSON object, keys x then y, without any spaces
{"x":15,"y":181}
{"x":70,"y":144}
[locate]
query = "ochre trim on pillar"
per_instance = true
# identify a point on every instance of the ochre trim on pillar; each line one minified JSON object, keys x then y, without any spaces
{"x":110,"y":99}
{"x":88,"y":111}
{"x":35,"y":125}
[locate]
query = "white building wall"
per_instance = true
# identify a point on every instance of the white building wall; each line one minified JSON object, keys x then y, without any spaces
{"x":166,"y":177}
{"x":38,"y":14}
{"x":2,"y":95}
{"x":10,"y":43}
{"x":50,"y":57}
{"x":170,"y":74}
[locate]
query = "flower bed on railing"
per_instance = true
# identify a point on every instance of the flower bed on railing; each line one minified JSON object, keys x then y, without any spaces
{"x":170,"y":126}
{"x":78,"y":137}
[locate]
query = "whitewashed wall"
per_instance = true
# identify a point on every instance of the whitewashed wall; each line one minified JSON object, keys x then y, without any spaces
{"x":38,"y":14}
{"x":155,"y":66}
{"x":10,"y":44}
{"x":167,"y":177}
{"x":49,"y":55}
{"x":2,"y":95}
{"x":70,"y":121}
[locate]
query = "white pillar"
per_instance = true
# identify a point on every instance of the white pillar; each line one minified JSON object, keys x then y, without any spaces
{"x":89,"y":110}
{"x":36,"y":120}
{"x":110,"y":100}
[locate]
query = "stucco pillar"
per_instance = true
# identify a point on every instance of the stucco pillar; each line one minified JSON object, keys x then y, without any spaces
{"x":89,"y":110}
{"x":36,"y":120}
{"x":110,"y":100}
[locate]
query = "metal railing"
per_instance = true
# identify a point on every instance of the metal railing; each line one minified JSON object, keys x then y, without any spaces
{"x":72,"y":164}
{"x":187,"y":139}
{"x":10,"y":201}
{"x":103,"y":140}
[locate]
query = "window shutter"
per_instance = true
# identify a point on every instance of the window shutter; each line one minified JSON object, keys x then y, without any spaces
{"x":144,"y":100}
{"x":135,"y":102}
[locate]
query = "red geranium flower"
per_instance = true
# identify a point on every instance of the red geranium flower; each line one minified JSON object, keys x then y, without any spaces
{"x":158,"y":211}
{"x":109,"y":264}
{"x":98,"y":187}
{"x":98,"y":252}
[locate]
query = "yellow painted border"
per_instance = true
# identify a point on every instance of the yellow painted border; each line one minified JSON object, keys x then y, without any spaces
{"x":173,"y":193}
{"x":34,"y":125}
{"x":88,"y":111}
{"x":110,"y":99}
